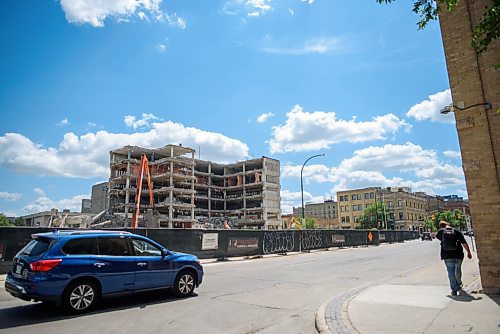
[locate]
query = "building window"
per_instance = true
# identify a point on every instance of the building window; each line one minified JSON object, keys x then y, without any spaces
{"x":347,"y":208}
{"x":356,"y":219}
{"x":272,"y":179}
{"x":372,"y":195}
{"x":342,"y":208}
{"x":343,"y":220}
{"x":401,"y":216}
{"x":360,"y":207}
{"x":272,"y":166}
{"x":347,"y":220}
{"x":358,"y":196}
{"x":354,"y":208}
{"x":390,"y":204}
{"x":341,"y":199}
{"x":353,"y":197}
{"x":367,"y":195}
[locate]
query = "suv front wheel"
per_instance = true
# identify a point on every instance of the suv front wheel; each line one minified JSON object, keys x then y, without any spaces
{"x":184,"y":284}
{"x":80,"y":296}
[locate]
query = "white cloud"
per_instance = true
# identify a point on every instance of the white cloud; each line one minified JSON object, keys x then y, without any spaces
{"x":161,"y":48}
{"x":289,"y":200}
{"x":315,"y":173}
{"x":321,"y":45}
{"x":430,"y":109}
{"x":410,"y":164}
{"x":453,"y":154}
{"x":252,"y":8}
{"x":10,"y":197}
{"x":304,"y":131}
{"x":145,"y":121}
{"x":44,"y":203}
{"x":95,"y":12}
{"x":308,"y":1}
{"x":63,"y":122}
{"x":290,"y":11}
{"x":264,"y":117}
{"x":259,"y":7}
{"x":88,"y":155}
{"x":176,"y":21}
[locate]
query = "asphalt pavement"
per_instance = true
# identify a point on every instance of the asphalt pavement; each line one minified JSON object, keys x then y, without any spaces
{"x":416,"y":301}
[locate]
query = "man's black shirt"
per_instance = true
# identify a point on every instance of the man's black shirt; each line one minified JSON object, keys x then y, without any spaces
{"x":455,"y":254}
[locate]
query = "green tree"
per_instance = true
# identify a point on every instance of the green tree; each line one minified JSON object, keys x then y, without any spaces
{"x":372,"y":215}
{"x":430,"y":225}
{"x":19,"y":222}
{"x":310,"y":223}
{"x":487,"y":30}
{"x":4,"y":221}
{"x":456,"y":218}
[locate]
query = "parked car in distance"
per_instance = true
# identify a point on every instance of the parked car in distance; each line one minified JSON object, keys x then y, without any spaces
{"x":74,"y":269}
{"x":426,"y":236}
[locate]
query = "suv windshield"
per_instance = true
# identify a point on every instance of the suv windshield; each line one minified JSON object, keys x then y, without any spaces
{"x":36,"y":247}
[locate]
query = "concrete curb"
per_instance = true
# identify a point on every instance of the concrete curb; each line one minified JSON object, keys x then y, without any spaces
{"x":338,"y":307}
{"x":320,"y":322}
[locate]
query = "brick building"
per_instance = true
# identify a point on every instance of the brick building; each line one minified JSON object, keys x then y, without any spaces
{"x":475,"y":81}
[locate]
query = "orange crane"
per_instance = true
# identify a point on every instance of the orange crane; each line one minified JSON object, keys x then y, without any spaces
{"x":143,"y":167}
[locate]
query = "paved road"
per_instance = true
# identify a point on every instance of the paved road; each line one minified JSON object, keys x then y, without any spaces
{"x":270,"y":295}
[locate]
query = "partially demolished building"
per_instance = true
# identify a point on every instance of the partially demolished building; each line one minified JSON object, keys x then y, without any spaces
{"x":188,"y":192}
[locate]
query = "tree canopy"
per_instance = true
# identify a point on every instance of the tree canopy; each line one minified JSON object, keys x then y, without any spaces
{"x":4,"y":221}
{"x":372,"y":216}
{"x":456,"y":218}
{"x":487,"y":30}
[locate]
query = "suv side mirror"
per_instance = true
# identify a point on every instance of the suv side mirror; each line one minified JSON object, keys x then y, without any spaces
{"x":164,"y":253}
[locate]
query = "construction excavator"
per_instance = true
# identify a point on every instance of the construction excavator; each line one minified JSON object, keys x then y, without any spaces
{"x":144,"y":167}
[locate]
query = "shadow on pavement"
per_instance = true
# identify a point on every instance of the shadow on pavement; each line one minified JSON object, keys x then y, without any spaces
{"x":496,"y":299}
{"x":464,"y":297}
{"x":36,"y":313}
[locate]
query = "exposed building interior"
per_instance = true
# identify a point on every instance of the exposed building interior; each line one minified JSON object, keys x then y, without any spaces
{"x":188,"y":192}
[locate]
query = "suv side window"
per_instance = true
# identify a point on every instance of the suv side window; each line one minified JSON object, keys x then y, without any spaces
{"x":37,"y":246}
{"x":82,"y":246}
{"x":144,"y":248}
{"x":113,"y":246}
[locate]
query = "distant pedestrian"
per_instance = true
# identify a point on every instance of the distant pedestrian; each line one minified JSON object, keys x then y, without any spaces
{"x":452,"y":253}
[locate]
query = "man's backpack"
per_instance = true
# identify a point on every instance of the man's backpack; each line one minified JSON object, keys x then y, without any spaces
{"x":450,"y":240}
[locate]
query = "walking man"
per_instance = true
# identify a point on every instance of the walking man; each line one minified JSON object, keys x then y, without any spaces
{"x":452,"y":253}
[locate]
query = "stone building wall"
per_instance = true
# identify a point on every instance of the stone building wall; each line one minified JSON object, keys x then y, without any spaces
{"x":474,"y":79}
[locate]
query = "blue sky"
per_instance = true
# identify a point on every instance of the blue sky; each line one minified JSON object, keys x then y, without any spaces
{"x":236,"y":79}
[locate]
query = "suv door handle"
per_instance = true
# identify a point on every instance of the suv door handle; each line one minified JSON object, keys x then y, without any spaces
{"x":142,"y":264}
{"x":99,"y":264}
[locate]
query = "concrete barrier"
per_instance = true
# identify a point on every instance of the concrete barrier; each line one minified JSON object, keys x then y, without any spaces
{"x":227,"y":243}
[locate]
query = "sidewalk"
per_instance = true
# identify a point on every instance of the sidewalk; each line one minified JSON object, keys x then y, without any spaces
{"x":417,"y":301}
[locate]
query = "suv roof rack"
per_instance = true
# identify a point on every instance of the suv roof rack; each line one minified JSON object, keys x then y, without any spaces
{"x":84,"y":231}
{"x":98,"y":232}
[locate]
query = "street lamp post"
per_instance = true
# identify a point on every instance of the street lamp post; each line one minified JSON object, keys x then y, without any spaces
{"x":302,"y":186}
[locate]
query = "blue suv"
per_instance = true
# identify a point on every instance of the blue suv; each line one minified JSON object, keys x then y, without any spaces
{"x":75,"y":269}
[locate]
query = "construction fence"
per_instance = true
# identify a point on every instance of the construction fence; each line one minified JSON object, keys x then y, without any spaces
{"x":227,"y":243}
